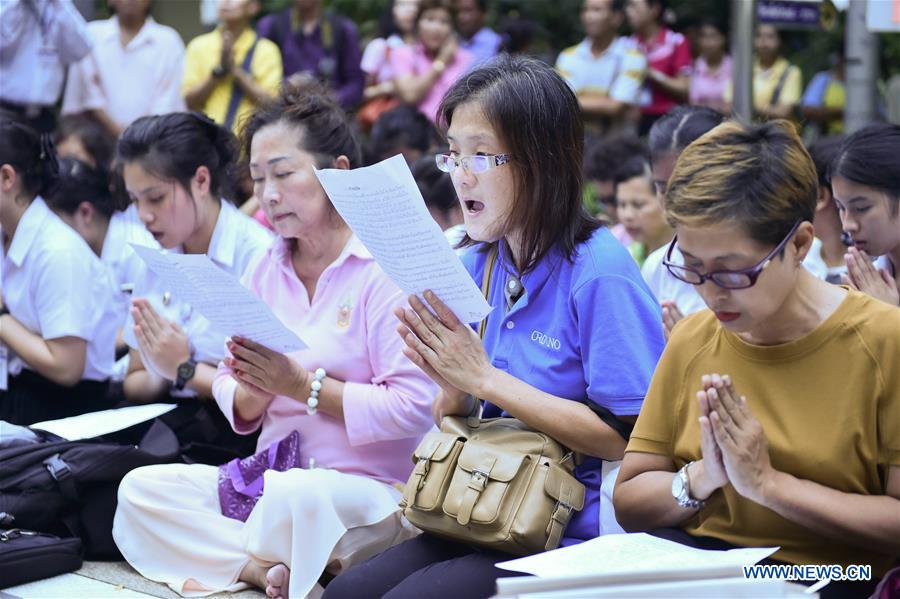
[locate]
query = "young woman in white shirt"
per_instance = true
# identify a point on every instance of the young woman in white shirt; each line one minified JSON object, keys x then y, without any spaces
{"x":176,"y":168}
{"x":57,"y":334}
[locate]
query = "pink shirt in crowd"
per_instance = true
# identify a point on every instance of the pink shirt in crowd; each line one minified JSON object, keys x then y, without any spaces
{"x":708,"y":86}
{"x":351,"y":332}
{"x":412,"y":60}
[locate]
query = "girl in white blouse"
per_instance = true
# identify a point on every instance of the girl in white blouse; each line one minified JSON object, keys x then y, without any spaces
{"x":57,"y":331}
{"x":176,"y":168}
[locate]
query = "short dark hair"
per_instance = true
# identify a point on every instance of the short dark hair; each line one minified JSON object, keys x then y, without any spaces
{"x":823,"y":152}
{"x":311,"y":108}
{"x":870,"y":157}
{"x":31,"y":154}
{"x":603,"y":156}
{"x":537,"y":117}
{"x":79,"y":182}
{"x":401,"y":126}
{"x":96,"y":139}
{"x":715,"y":23}
{"x":173,"y":146}
{"x":426,"y":5}
{"x":678,"y":128}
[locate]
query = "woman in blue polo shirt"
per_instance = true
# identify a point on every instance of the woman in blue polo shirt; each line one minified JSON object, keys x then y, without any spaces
{"x":574,"y":331}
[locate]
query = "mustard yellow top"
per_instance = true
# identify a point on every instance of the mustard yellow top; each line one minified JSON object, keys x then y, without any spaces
{"x":829,"y":404}
{"x":203,"y":54}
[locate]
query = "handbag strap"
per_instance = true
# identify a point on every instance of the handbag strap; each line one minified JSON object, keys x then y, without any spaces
{"x":473,"y":418}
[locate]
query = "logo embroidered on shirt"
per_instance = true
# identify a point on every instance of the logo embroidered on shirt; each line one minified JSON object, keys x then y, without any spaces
{"x":343,"y":319}
{"x":545,"y":340}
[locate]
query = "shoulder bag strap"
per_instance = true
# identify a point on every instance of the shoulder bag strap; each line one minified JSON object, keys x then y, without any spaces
{"x":776,"y":93}
{"x":236,"y":93}
{"x":473,"y":420}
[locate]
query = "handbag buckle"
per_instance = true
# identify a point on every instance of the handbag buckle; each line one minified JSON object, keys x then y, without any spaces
{"x":478,"y":481}
{"x":562,"y":512}
{"x":421,"y":471}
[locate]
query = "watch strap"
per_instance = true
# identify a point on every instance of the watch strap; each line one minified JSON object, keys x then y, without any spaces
{"x":181,"y":381}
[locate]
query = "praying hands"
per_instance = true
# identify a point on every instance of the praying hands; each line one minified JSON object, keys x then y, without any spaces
{"x":732,"y":441}
{"x":163,"y":343}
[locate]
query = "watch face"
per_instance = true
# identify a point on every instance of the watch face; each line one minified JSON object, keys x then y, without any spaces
{"x":185,"y":371}
{"x":677,"y":486}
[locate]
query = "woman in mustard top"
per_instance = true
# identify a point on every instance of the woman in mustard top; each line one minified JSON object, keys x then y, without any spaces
{"x":773,"y":418}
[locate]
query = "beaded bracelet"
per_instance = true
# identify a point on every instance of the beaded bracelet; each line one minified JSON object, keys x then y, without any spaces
{"x":312,"y":402}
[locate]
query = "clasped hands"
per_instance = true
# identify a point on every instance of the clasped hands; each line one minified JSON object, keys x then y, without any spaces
{"x":732,"y":442}
{"x":264,"y":373}
{"x":162,"y":342}
{"x":863,"y":276}
{"x":447,"y":350}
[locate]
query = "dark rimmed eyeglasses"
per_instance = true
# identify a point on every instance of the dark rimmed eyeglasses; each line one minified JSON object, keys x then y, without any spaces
{"x":727,"y":279}
{"x":476,"y":164}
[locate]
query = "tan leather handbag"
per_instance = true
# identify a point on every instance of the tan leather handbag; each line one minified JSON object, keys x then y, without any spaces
{"x":493,"y":482}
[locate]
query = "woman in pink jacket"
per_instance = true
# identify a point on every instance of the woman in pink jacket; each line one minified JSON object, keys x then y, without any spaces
{"x":359,"y":406}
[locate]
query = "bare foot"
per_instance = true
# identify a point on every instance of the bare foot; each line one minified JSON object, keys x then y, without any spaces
{"x":277,"y":579}
{"x":273,"y":579}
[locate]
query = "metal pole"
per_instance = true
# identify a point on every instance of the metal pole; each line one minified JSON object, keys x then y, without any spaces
{"x":743,"y":19}
{"x":861,"y":68}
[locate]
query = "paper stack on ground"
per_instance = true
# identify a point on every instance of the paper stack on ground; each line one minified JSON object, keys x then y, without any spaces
{"x":634,"y":554}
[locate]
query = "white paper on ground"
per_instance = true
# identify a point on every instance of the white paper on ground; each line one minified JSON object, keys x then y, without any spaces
{"x":220,"y":298}
{"x":632,"y":553}
{"x":384,"y":208}
{"x":94,"y":424}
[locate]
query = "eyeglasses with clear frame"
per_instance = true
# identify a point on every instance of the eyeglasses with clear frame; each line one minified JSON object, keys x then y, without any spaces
{"x":475,"y":165}
{"x":726,"y":279}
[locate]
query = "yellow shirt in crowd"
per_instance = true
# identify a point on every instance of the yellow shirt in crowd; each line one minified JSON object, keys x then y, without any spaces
{"x":203,"y":54}
{"x":829,"y":404}
{"x":765,"y":82}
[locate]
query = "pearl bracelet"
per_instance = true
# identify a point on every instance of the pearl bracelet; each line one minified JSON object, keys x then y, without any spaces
{"x":312,"y":402}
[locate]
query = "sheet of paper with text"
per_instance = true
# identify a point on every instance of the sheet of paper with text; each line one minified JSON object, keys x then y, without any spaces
{"x":220,"y":298}
{"x":384,"y":208}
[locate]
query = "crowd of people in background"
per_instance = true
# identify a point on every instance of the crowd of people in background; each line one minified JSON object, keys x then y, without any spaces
{"x":621,"y":201}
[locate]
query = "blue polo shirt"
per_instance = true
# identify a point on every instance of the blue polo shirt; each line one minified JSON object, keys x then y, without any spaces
{"x":588,"y":330}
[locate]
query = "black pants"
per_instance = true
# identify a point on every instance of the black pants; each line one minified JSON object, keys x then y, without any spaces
{"x":833,"y":590}
{"x":32,"y":398}
{"x":423,"y":567}
{"x":42,"y":121}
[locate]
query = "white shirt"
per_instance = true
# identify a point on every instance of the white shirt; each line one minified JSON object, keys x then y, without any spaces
{"x":125,"y":228}
{"x":55,"y":286}
{"x":38,"y":39}
{"x":141,"y":79}
{"x":666,"y":287}
{"x":618,"y":72}
{"x":237,"y":240}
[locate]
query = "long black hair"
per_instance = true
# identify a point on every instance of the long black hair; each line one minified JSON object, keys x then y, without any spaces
{"x":173,"y":146}
{"x":870,"y":157}
{"x":31,"y":154}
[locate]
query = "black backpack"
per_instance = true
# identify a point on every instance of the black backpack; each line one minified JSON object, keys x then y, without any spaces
{"x":69,"y":488}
